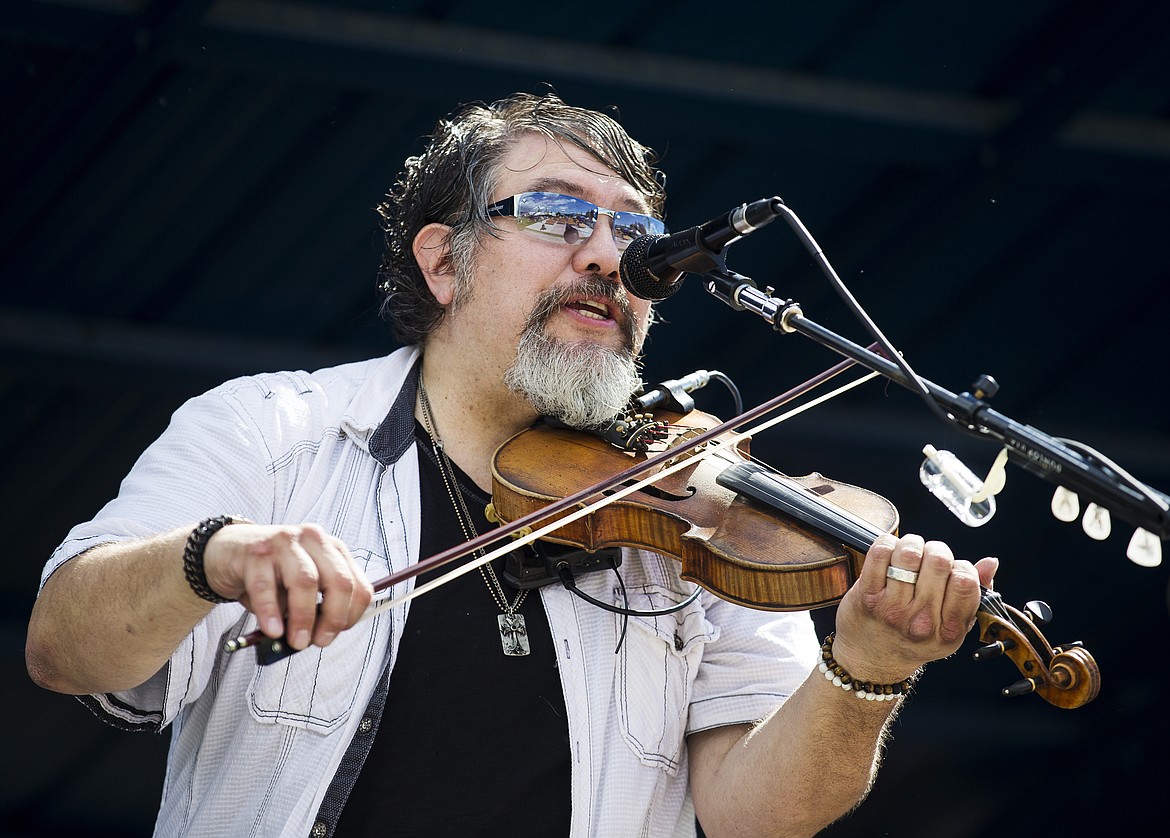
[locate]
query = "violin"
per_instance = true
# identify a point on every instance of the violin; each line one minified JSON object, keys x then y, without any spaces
{"x":751,"y":535}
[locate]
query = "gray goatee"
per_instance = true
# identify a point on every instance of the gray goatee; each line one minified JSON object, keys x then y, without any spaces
{"x":580,"y":383}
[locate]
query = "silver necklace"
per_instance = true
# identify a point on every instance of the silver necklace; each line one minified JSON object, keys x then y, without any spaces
{"x":513,"y":629}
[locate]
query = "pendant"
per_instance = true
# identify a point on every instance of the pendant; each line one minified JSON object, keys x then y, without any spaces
{"x":513,"y":635}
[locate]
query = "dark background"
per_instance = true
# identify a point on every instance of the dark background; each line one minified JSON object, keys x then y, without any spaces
{"x":187,"y":196}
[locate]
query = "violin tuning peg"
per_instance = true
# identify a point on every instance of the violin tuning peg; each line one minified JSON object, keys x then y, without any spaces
{"x":993,"y":650}
{"x":1039,"y":612}
{"x":1025,"y":686}
{"x":1144,"y":549}
{"x":1065,"y":505}
{"x":1096,"y":523}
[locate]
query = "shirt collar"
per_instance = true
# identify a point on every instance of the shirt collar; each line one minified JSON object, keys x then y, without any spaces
{"x":386,"y":435}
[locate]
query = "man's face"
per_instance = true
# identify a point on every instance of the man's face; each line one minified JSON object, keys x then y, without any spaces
{"x":565,"y":297}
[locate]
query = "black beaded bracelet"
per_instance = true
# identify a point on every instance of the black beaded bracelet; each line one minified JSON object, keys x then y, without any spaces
{"x":839,"y":677}
{"x":193,"y":557}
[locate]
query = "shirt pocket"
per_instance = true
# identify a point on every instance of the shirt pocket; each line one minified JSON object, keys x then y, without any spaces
{"x":659,"y":660}
{"x":315,"y":689}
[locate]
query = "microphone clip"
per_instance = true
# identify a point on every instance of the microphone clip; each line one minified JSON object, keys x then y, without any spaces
{"x":542,"y":563}
{"x":969,"y":499}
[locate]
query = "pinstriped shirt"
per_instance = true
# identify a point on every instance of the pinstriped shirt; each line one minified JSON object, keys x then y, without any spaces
{"x":255,"y":749}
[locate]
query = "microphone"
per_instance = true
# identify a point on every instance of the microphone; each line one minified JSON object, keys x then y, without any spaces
{"x":674,"y":392}
{"x":652,"y":266}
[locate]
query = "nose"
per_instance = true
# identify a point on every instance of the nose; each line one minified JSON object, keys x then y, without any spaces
{"x":599,"y":253}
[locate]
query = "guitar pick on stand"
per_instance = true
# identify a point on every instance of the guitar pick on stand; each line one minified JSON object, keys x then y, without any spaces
{"x":1144,"y":548}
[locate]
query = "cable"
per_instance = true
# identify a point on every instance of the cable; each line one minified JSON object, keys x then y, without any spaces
{"x":731,"y":388}
{"x":566,"y":574}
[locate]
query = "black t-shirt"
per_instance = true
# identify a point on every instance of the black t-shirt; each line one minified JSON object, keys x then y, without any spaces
{"x":471,"y":741}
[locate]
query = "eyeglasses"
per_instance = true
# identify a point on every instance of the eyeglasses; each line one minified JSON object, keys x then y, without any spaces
{"x":549,"y":216}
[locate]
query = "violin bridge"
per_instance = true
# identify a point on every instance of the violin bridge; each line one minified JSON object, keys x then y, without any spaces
{"x":680,"y":440}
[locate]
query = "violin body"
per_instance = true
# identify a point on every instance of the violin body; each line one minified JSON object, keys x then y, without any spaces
{"x":735,"y":547}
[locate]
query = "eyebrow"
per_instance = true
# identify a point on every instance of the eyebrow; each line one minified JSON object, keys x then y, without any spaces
{"x":568,"y":187}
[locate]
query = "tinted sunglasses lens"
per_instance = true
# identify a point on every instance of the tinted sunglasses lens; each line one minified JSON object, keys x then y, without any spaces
{"x":552,"y":217}
{"x":628,"y":226}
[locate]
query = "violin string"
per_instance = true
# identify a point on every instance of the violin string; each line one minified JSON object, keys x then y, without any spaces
{"x":522,"y":540}
{"x":990,"y":601}
{"x":865,"y":527}
{"x":856,"y":521}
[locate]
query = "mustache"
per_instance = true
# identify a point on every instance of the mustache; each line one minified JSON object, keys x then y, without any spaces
{"x":593,"y":285}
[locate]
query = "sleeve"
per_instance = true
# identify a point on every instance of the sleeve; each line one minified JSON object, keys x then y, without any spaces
{"x":757,"y":661}
{"x":212,"y":459}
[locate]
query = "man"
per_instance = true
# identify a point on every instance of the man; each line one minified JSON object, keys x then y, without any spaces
{"x":477,"y":709}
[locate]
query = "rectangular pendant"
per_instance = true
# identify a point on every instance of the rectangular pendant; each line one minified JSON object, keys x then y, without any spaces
{"x":513,"y":634}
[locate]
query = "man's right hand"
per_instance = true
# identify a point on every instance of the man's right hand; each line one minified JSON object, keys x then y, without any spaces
{"x":110,"y":618}
{"x":277,"y":572}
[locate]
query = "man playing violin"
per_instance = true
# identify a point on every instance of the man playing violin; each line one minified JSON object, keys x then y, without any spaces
{"x":272,"y":501}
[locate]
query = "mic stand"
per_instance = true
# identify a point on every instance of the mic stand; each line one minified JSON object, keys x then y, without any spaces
{"x":1064,"y":462}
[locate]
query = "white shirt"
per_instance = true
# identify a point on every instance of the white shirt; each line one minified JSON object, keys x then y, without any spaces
{"x":254,"y":748}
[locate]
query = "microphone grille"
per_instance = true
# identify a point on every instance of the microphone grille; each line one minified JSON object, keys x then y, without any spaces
{"x":636,"y":276}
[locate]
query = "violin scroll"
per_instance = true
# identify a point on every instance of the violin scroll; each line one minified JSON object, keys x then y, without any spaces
{"x":1064,"y":676}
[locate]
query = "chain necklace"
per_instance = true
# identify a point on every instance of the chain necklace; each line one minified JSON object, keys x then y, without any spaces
{"x":513,"y":629}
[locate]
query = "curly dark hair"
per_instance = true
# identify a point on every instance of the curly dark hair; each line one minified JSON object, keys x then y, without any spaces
{"x":452,"y":180}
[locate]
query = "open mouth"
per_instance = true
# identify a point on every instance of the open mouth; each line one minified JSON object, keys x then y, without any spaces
{"x":591,"y":309}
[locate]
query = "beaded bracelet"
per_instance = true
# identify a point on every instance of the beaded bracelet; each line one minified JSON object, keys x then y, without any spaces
{"x":836,"y":673}
{"x":193,"y":557}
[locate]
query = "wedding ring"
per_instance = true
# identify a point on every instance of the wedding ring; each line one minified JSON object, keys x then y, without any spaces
{"x":907,"y":576}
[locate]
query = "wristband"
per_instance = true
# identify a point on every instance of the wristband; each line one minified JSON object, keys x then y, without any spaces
{"x":193,"y":557}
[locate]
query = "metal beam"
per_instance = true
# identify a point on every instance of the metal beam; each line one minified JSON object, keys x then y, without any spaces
{"x":358,"y":31}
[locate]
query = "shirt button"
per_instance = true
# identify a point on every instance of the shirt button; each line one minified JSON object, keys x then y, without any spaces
{"x":366,"y":725}
{"x":319,"y":830}
{"x":678,"y":644}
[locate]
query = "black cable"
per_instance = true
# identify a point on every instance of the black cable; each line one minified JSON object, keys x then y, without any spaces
{"x":565,"y":572}
{"x":626,"y":603}
{"x":731,"y":388}
{"x":838,"y":285}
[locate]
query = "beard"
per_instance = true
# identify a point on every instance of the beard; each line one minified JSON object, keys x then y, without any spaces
{"x":579,"y":383}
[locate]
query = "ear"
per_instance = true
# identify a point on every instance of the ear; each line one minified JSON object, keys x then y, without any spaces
{"x":432,"y":249}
